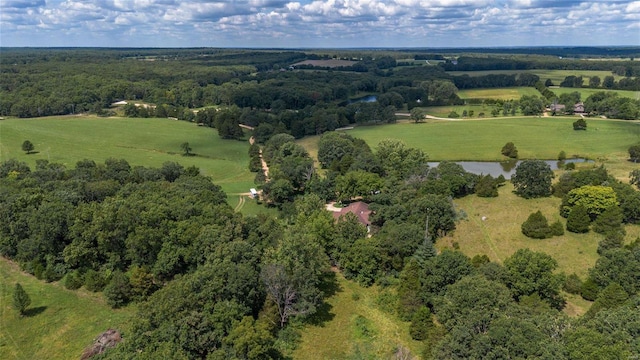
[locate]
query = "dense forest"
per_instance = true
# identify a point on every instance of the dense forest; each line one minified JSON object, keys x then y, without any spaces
{"x":210,"y":283}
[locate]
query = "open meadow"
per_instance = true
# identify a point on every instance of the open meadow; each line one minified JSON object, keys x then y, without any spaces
{"x":510,"y":93}
{"x":586,"y":92}
{"x":146,"y":142}
{"x":58,"y":324}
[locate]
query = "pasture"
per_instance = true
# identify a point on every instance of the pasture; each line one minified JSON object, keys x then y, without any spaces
{"x":586,"y":92}
{"x":59,"y":323}
{"x":511,"y":93}
{"x":146,"y":142}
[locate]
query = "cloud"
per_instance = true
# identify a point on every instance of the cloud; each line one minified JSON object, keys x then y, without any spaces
{"x":311,"y":23}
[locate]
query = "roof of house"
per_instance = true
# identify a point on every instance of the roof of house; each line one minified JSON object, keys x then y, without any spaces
{"x":359,"y":209}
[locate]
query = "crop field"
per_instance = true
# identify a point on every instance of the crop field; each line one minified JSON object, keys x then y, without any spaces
{"x":146,"y":142}
{"x":59,"y":323}
{"x":512,"y":93}
{"x":555,"y":75}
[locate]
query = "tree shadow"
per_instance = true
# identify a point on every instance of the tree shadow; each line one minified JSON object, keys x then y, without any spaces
{"x":329,"y":286}
{"x":34,"y":311}
{"x":33,"y":152}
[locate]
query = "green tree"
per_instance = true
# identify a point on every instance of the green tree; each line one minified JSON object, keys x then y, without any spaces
{"x":595,"y":198}
{"x":509,"y":150}
{"x":21,"y":299}
{"x":609,"y":221}
{"x":532,"y":273}
{"x":186,"y":149}
{"x":27,"y":146}
{"x":421,"y":324}
{"x":610,"y":297}
{"x":417,"y":115}
{"x":118,"y":291}
{"x":578,"y":220}
{"x":532,"y":179}
{"x":634,"y":153}
{"x":536,"y":226}
{"x":580,"y":124}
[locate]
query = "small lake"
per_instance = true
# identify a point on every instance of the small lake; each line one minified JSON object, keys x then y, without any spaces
{"x":504,"y":168}
{"x":366,"y":99}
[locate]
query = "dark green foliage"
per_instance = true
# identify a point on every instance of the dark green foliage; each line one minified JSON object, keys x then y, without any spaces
{"x":609,"y":221}
{"x":118,"y":291}
{"x":562,"y":156}
{"x":612,"y":240}
{"x":480,"y":260}
{"x":509,"y":150}
{"x":634,"y":153}
{"x":72,"y":281}
{"x":580,"y":124}
{"x":487,"y":186}
{"x":532,"y":179}
{"x":442,"y":270}
{"x":618,"y":265}
{"x":578,"y":220}
{"x":610,"y":297}
{"x":21,"y":299}
{"x":532,"y":273}
{"x":572,"y":284}
{"x":94,"y":281}
{"x":589,"y":290}
{"x":556,"y":228}
{"x":409,"y":300}
{"x":421,"y":324}
{"x":186,"y":149}
{"x":27,"y":146}
{"x":536,"y":226}
{"x":362,"y":262}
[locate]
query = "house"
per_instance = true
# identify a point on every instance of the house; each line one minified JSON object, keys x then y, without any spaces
{"x":359,"y":209}
{"x":578,"y":108}
{"x":557,"y":108}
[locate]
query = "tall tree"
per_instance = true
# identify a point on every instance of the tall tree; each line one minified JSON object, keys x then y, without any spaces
{"x":27,"y":146}
{"x":532,"y":179}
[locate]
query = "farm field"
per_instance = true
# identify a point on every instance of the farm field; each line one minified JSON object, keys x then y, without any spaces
{"x":555,"y":75}
{"x":59,"y":324}
{"x":482,"y":139}
{"x":146,"y":142}
{"x":512,"y":93}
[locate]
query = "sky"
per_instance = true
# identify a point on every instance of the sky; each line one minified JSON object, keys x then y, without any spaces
{"x":318,"y":24}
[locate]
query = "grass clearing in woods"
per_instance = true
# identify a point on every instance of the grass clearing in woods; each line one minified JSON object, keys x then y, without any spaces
{"x":59,"y":323}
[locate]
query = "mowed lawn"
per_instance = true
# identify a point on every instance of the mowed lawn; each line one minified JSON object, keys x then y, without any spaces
{"x":146,"y":142}
{"x":556,"y":76}
{"x":481,"y":140}
{"x":586,"y":92}
{"x":59,"y":324}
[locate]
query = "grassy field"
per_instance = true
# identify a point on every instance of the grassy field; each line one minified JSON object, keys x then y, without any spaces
{"x":358,"y":328}
{"x":59,"y":324}
{"x":499,"y":235}
{"x":147,"y":142}
{"x":512,"y":93}
{"x":557,"y":76}
{"x":481,"y":140}
{"x":585,"y":93}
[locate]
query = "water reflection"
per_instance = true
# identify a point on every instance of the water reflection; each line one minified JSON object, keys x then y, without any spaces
{"x":505,"y":168}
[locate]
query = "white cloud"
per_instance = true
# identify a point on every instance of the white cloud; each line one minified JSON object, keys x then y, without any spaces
{"x":326,"y":23}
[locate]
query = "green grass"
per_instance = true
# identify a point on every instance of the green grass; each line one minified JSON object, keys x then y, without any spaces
{"x":499,"y":235}
{"x":146,"y":142}
{"x":357,"y":327}
{"x":60,"y":322}
{"x":585,"y":92}
{"x":481,"y":140}
{"x":511,"y":93}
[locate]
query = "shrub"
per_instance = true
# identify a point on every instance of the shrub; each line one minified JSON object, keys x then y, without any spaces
{"x":487,"y":186}
{"x":536,"y":226}
{"x":421,"y":324}
{"x":557,"y":229}
{"x":612,"y":240}
{"x":72,"y":281}
{"x":453,"y":115}
{"x":118,"y":291}
{"x":570,"y":166}
{"x":589,"y":290}
{"x":572,"y":284}
{"x":578,"y":220}
{"x":509,"y":150}
{"x":580,"y":124}
{"x":562,"y":156}
{"x":94,"y":281}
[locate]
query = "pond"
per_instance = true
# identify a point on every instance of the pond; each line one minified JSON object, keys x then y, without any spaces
{"x":366,"y":99}
{"x":504,"y":168}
